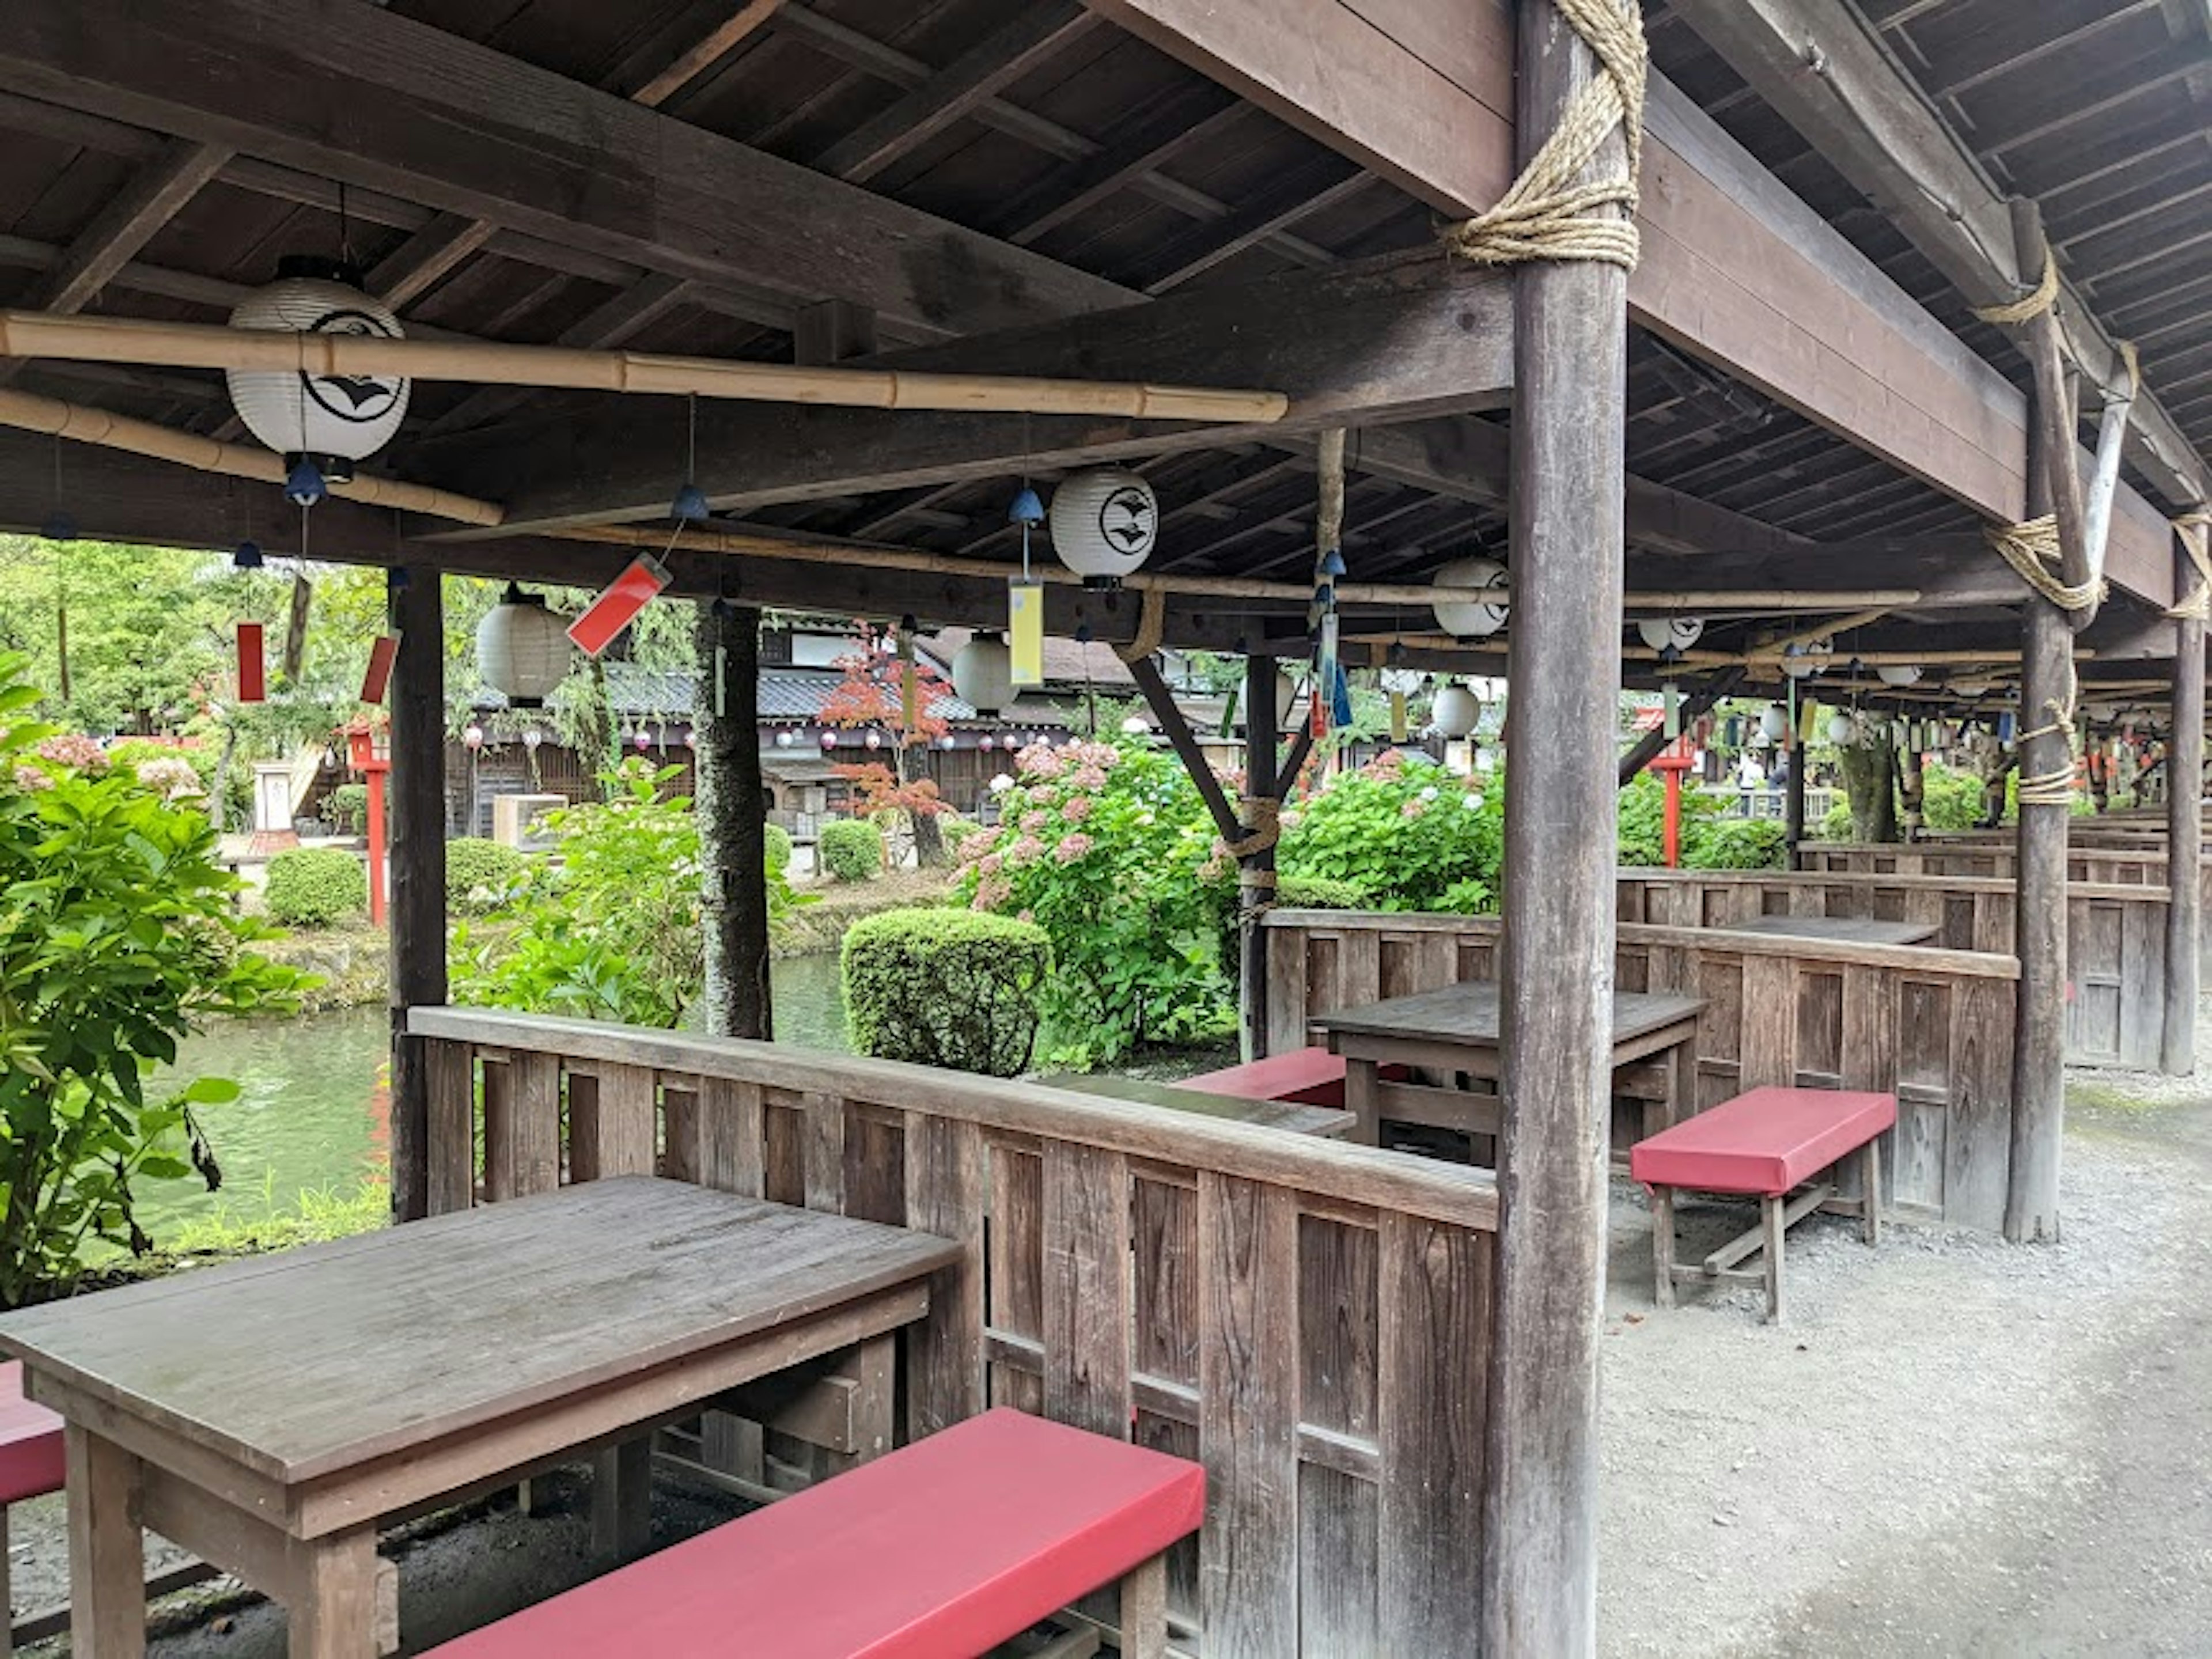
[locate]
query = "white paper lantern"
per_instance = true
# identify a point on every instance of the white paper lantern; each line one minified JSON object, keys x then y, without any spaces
{"x":1671,"y":633}
{"x":1802,"y":662}
{"x":1840,"y":729}
{"x":1470,"y":618}
{"x":1897,"y":673}
{"x":785,"y":738}
{"x":1104,"y":522}
{"x":1457,"y":711}
{"x":522,"y":649}
{"x":983,"y":673}
{"x":1774,"y":722}
{"x":333,"y":419}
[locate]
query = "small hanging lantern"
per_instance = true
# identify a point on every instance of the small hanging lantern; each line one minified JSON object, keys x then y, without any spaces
{"x":785,"y":738}
{"x":1671,"y":635}
{"x":532,"y":737}
{"x":1457,"y":710}
{"x":873,"y":740}
{"x":642,"y":741}
{"x":1840,"y":729}
{"x":1774,"y":722}
{"x":1471,"y":617}
{"x":1807,"y":658}
{"x":1105,"y":523}
{"x":983,"y":672}
{"x":472,"y":737}
{"x":247,"y":556}
{"x":522,"y":649}
{"x":948,"y":743}
{"x":1899,"y":673}
{"x":321,"y":424}
{"x":828,"y":740}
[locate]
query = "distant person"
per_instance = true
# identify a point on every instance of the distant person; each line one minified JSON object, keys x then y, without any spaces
{"x":1749,"y":774}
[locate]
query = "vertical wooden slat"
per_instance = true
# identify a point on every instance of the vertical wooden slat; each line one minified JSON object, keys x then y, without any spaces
{"x":1015,"y":1242}
{"x":875,"y":1167}
{"x":683,"y":1149}
{"x":944,"y":1196}
{"x":1247,"y":1249}
{"x":498,"y":1127}
{"x":732,"y":1137}
{"x":823,"y":1129}
{"x":452,"y":1078}
{"x":1165,"y":1316}
{"x":1339,"y":1339}
{"x":611,"y":1121}
{"x":1438,"y":1296}
{"x":522,"y":1125}
{"x":1087,"y":1326}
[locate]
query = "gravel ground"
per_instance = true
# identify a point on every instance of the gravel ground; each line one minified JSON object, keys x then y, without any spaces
{"x":1956,"y":1447}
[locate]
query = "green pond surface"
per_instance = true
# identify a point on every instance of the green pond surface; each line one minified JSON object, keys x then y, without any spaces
{"x":315,"y":1112}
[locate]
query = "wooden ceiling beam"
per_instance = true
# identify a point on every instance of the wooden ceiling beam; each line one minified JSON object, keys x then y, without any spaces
{"x":691,"y":44}
{"x":1874,"y":127}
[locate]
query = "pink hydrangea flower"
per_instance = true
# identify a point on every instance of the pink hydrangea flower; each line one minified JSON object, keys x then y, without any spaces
{"x":990,"y":864}
{"x":1413,"y":809}
{"x":1028,"y":850}
{"x":1032,"y":822}
{"x":990,"y":893}
{"x":30,"y":777}
{"x":1072,"y":847}
{"x":78,"y":753}
{"x":1078,"y":809}
{"x":1040,"y":760}
{"x":1028,"y":916}
{"x":1089,"y":777}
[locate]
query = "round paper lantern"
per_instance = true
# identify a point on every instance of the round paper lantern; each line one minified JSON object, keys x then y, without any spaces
{"x":948,"y":742}
{"x":1802,"y":662}
{"x":983,"y":673}
{"x":1839,"y":729}
{"x":873,"y":740}
{"x":1671,"y":633}
{"x":329,"y":421}
{"x":828,"y":739}
{"x":987,"y":742}
{"x":522,"y":648}
{"x":642,"y":741}
{"x":472,"y":737}
{"x":1470,"y":618}
{"x":1774,"y":722}
{"x":784,"y":739}
{"x":1897,"y":673}
{"x":1457,"y":711}
{"x":1104,"y":522}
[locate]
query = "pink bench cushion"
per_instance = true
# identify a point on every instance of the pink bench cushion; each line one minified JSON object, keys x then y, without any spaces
{"x":30,"y":1442}
{"x":950,"y":1546}
{"x":1311,"y":1077}
{"x":1767,"y":1141}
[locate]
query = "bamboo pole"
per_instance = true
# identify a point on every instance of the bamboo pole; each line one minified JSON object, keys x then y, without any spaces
{"x":81,"y":424}
{"x":207,"y":345}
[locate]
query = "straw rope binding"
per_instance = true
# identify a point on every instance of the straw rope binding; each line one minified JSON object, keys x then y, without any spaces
{"x":1545,"y":213}
{"x":2198,"y":605}
{"x":2030,"y":549}
{"x":2055,"y":787}
{"x":1151,"y":628}
{"x":2033,"y":303}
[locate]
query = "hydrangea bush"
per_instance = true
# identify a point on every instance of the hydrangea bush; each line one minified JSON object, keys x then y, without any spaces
{"x":1403,"y":833}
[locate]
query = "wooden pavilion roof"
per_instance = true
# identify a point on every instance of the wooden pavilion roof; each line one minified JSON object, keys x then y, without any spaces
{"x":822,"y":176}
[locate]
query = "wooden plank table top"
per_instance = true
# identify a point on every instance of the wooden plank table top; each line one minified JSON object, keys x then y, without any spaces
{"x":1269,"y":1114}
{"x":1851,"y":930}
{"x":1468,"y":1013}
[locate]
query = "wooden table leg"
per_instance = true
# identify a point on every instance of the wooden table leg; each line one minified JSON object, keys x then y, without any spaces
{"x":332,"y":1604}
{"x":1143,"y":1615}
{"x":1872,"y":1178}
{"x":1663,"y":1246}
{"x":874,"y":1366}
{"x":1775,"y":1225}
{"x":106,"y":1546}
{"x":622,"y":1499}
{"x":1360,"y":1099}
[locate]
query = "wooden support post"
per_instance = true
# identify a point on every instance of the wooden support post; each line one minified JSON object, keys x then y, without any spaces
{"x":1541,"y":1463}
{"x":733,"y":839}
{"x":2185,"y":824}
{"x":1255,"y":872}
{"x":1168,"y":714}
{"x":417,"y":611}
{"x":1793,"y":799}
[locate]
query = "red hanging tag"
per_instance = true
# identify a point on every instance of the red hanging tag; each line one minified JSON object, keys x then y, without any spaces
{"x":252,"y":664}
{"x":614,"y":609}
{"x":379,"y":676}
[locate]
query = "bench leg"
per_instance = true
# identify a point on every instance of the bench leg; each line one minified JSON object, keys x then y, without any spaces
{"x":1662,"y":1245}
{"x":873,"y":1365}
{"x":1775,"y":1222}
{"x":622,"y":1499}
{"x":1360,"y":1077}
{"x":1872,"y":1177}
{"x":107,"y":1546}
{"x":1145,"y":1610}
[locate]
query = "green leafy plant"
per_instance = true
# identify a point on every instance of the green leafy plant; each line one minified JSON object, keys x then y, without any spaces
{"x":852,"y":849}
{"x":478,"y":873}
{"x":945,"y":988}
{"x":1108,"y":849}
{"x":117,"y":939}
{"x":1320,"y":893}
{"x":315,"y":886}
{"x":345,"y":809}
{"x":1402,"y":831}
{"x":778,"y":841}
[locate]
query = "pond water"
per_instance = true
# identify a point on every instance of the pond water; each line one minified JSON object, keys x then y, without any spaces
{"x":315,"y":1111}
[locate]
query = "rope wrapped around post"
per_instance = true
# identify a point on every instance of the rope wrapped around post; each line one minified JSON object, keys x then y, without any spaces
{"x":2055,"y":787}
{"x":2196,"y":605}
{"x":2033,"y":303}
{"x":1151,"y":628}
{"x":1545,"y":214}
{"x":1256,"y":888}
{"x":2029,"y":548}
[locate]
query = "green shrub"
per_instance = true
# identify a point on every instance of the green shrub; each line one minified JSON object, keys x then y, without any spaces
{"x":955,"y":830}
{"x":778,"y":857}
{"x":115,"y":940}
{"x":1736,"y":844}
{"x":852,"y":849}
{"x":1403,"y":830}
{"x":345,"y":809}
{"x":1320,"y":893}
{"x":957,"y":988}
{"x":315,"y":886}
{"x":478,"y":874}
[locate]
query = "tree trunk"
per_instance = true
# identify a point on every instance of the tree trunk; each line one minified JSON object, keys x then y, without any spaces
{"x":732,"y":844}
{"x":1868,"y":777}
{"x":595,"y":727}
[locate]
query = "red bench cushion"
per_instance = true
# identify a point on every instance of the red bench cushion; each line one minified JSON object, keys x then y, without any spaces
{"x":30,"y":1442}
{"x":947,"y":1546}
{"x":1766,"y":1142}
{"x":1311,"y":1077}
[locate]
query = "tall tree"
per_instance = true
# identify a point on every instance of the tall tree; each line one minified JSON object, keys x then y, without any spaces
{"x":732,"y":838}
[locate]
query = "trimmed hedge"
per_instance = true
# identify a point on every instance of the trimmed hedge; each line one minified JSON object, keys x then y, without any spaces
{"x":955,"y":989}
{"x":852,"y":849}
{"x":1320,"y":893}
{"x":315,"y":886}
{"x":478,"y":872}
{"x":778,"y":859}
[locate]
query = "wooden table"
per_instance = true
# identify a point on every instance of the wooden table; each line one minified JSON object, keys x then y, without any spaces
{"x":1851,"y":930}
{"x":1270,"y":1114}
{"x":1454,"y":1031}
{"x":267,"y":1414}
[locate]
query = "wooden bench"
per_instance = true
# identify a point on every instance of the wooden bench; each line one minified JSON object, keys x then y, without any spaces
{"x":30,"y":1466}
{"x":1766,"y":1144}
{"x":1308,"y":1077}
{"x":949,"y":1546}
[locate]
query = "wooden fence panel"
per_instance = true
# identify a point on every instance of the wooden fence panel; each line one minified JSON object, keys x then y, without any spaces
{"x":1310,"y":1321}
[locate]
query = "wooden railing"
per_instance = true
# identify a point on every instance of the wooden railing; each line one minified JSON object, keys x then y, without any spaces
{"x":1935,"y":1026}
{"x":2111,"y":863}
{"x":2115,"y":934}
{"x":1310,"y":1321}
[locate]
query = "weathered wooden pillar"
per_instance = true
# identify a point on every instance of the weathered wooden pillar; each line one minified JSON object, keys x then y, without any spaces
{"x":1540,"y":1465}
{"x":1256,"y":870}
{"x":732,"y":834}
{"x":416,"y":609}
{"x":1793,"y":797}
{"x":2185,"y":822}
{"x":2047,"y":701}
